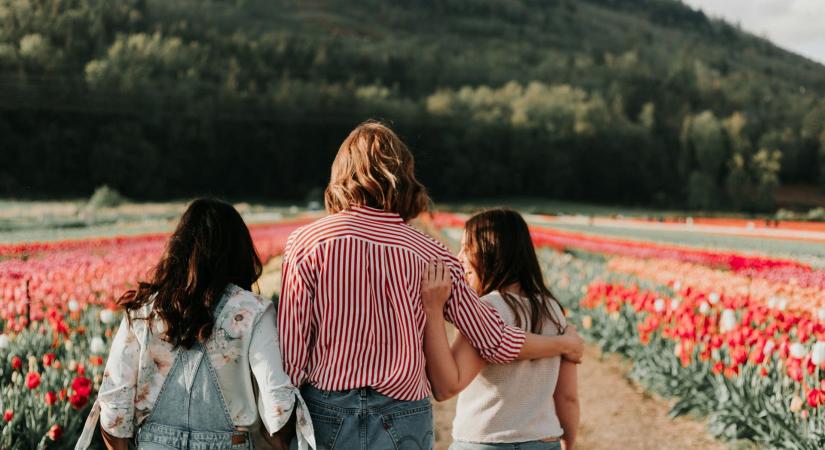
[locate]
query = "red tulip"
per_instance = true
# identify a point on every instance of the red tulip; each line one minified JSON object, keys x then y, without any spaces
{"x":8,"y":415}
{"x":32,"y":380}
{"x":82,"y":385}
{"x":16,"y":363}
{"x":50,"y":398}
{"x":48,"y":359}
{"x":55,"y":432}
{"x":78,"y":401}
{"x":816,"y":398}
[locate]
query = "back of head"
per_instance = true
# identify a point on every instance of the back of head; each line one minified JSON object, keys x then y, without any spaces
{"x":500,"y":249}
{"x":374,"y":168}
{"x":210,"y":248}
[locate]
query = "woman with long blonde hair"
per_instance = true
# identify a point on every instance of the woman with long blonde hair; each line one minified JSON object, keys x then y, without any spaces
{"x":350,"y":316}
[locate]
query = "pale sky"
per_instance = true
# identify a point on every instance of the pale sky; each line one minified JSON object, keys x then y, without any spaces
{"x":796,"y":25}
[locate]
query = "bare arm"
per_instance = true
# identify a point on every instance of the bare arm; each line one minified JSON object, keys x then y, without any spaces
{"x":450,"y":370}
{"x":566,"y":398}
{"x":569,"y":345}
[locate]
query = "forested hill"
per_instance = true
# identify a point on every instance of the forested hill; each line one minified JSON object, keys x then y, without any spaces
{"x":636,"y":101}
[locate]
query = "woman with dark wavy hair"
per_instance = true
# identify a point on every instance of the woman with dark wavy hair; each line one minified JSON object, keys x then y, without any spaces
{"x":195,"y":362}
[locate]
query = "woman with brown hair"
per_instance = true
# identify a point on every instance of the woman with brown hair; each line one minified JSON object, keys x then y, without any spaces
{"x":494,"y":408}
{"x":195,"y":363}
{"x":350,"y":315}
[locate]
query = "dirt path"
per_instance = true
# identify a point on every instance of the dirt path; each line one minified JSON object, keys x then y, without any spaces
{"x":616,"y":414}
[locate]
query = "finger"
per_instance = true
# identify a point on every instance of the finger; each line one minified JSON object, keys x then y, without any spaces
{"x":432,"y":269}
{"x":445,"y":272}
{"x":426,"y":276}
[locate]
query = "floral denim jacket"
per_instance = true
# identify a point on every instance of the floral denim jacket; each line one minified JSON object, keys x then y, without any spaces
{"x":243,"y":346}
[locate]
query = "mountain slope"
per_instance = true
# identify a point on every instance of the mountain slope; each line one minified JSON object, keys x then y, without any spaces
{"x":642,"y":101}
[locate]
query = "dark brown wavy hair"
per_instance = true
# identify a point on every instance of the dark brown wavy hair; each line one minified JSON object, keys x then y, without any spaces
{"x":375,"y":168}
{"x":210,"y":248}
{"x":499,"y":247}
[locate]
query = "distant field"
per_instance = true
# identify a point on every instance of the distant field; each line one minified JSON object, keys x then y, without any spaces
{"x":797,"y":249}
{"x":544,"y":206}
{"x":22,"y":221}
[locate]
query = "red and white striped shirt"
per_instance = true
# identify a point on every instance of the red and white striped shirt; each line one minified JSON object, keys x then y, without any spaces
{"x":350,"y":312}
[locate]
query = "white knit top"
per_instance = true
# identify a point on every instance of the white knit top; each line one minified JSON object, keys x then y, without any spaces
{"x":511,"y":402}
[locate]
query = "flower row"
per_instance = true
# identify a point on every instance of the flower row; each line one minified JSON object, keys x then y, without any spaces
{"x":774,"y":294}
{"x":67,"y":281}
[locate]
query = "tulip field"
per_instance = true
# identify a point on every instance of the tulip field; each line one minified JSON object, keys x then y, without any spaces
{"x":57,"y":314}
{"x":734,"y":336}
{"x":731,"y":336}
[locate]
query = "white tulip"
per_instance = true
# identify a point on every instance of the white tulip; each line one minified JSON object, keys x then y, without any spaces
{"x":771,"y":302}
{"x":69,"y":345}
{"x":820,"y":313}
{"x":4,"y":341}
{"x":674,"y":304}
{"x":704,"y":308}
{"x":677,"y":285}
{"x":97,"y":345}
{"x":782,"y":304}
{"x":818,"y":353}
{"x":659,"y":305}
{"x":714,"y":298}
{"x":107,"y":316}
{"x":768,"y":347}
{"x":74,"y":306}
{"x":798,"y":350}
{"x":728,"y":320}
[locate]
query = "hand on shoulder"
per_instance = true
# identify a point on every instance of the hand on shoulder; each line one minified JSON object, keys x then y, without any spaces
{"x":575,"y":344}
{"x":436,"y":285}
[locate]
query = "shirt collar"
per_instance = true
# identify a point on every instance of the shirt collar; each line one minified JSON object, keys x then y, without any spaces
{"x":376,"y":214}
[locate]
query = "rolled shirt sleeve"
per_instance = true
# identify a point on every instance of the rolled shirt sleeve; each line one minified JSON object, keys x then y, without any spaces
{"x":116,"y":397}
{"x":278,"y":398}
{"x":114,"y":408}
{"x":495,"y":341}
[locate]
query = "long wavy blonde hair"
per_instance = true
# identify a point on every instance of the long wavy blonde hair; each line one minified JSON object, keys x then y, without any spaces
{"x":375,"y":168}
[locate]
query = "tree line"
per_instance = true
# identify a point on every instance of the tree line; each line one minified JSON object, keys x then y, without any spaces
{"x":643,"y":101}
